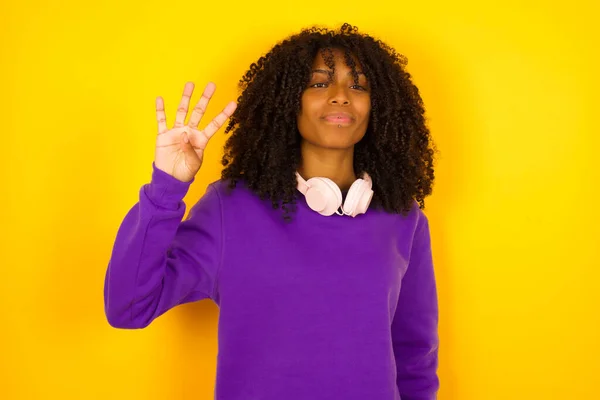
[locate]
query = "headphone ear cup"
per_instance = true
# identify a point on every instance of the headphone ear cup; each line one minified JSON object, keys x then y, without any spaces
{"x":354,"y":193}
{"x":323,"y":195}
{"x":363,"y":202}
{"x":358,"y":198}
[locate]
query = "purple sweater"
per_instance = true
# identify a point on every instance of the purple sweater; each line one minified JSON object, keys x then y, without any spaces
{"x":321,"y":308}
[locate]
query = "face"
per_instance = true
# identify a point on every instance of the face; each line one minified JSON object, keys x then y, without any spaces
{"x":334,"y":110}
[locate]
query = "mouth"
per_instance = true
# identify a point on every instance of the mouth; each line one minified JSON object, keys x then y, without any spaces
{"x":338,"y":118}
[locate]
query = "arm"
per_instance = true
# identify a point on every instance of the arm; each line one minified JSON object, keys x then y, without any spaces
{"x":157,"y":260}
{"x":415,"y":324}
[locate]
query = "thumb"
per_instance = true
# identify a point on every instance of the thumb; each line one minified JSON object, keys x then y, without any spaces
{"x":186,"y":145}
{"x":184,"y":135}
{"x":188,"y":150}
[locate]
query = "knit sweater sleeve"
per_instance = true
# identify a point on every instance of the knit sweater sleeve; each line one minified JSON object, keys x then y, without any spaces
{"x":415,"y":323}
{"x":159,"y":261}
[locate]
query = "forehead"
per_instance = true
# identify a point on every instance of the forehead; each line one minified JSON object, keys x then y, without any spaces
{"x":334,"y":56}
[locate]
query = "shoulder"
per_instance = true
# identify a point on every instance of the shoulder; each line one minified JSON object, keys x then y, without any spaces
{"x":421,"y":237}
{"x":413,"y":226}
{"x":415,"y":217}
{"x":232,"y":196}
{"x":224,"y":188}
{"x":422,"y":222}
{"x":220,"y":199}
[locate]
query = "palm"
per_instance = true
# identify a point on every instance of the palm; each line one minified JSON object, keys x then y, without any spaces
{"x":170,"y":152}
{"x":180,"y":150}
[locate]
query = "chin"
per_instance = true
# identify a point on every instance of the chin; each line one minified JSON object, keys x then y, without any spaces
{"x":334,"y":144}
{"x":338,"y":139}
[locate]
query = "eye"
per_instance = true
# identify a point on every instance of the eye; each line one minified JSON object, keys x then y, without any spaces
{"x":359,"y":87}
{"x":319,"y":83}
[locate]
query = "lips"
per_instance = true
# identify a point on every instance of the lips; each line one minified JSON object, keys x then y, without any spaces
{"x":339,"y":118}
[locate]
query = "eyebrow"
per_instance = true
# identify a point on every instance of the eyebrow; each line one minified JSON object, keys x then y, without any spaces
{"x":329,"y":72}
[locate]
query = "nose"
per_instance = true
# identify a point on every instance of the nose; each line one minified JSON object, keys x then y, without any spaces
{"x":338,"y":95}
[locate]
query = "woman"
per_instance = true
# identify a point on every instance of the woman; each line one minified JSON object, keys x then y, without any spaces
{"x":313,"y":244}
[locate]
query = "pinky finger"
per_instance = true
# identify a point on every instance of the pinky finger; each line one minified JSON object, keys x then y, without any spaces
{"x":161,"y":118}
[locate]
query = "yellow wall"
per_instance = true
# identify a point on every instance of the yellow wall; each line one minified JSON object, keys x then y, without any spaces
{"x":511,"y":91}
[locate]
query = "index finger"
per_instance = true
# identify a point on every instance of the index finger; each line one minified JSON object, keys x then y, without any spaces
{"x":220,"y":119}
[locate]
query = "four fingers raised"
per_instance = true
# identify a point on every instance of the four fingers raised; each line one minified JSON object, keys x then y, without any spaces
{"x":197,"y":113}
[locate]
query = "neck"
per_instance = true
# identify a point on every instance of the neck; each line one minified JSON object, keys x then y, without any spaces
{"x":335,"y":164}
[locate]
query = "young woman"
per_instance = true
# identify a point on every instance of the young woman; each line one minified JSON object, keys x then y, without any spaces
{"x":314,"y":243}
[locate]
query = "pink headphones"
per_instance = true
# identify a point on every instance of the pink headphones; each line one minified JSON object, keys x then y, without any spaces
{"x":325,"y":197}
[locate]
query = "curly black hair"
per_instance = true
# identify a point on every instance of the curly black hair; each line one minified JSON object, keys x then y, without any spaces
{"x":264,"y":148}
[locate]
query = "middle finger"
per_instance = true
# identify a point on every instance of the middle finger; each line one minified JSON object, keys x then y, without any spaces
{"x":200,"y":108}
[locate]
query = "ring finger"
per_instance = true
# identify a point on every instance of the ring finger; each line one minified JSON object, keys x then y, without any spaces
{"x":182,"y":110}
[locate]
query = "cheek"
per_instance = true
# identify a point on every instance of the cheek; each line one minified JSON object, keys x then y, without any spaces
{"x":365,"y":116}
{"x":306,"y":116}
{"x":365,"y":108}
{"x":309,"y":110}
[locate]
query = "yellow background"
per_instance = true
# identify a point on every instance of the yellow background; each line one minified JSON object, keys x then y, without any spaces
{"x":512,"y":95}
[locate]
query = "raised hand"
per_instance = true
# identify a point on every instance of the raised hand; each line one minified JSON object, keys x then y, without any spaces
{"x":180,"y":150}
